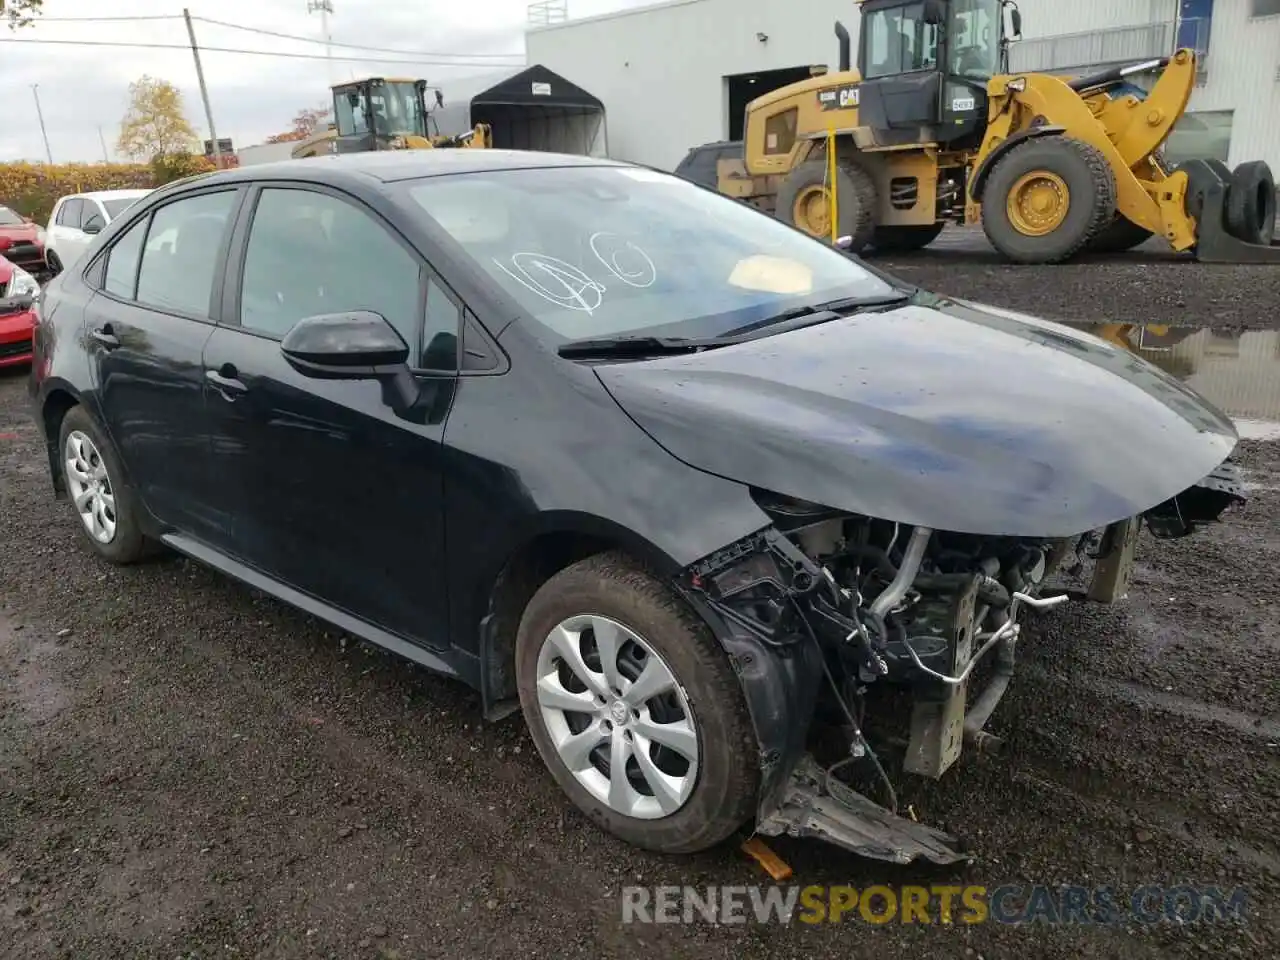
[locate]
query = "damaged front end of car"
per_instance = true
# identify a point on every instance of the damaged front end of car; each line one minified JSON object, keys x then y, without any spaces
{"x":823,"y":608}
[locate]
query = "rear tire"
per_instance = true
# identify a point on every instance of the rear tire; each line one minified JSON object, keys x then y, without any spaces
{"x":905,"y":239}
{"x":805,"y":189}
{"x":613,"y":591}
{"x":96,"y":482}
{"x":1047,"y":199}
{"x":1123,"y":234}
{"x":52,"y":263}
{"x":1251,"y":203}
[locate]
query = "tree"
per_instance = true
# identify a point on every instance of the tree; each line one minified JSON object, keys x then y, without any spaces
{"x":305,"y":125}
{"x":155,"y":124}
{"x":20,"y":12}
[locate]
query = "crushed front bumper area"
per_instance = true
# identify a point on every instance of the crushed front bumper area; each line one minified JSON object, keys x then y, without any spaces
{"x":797,"y":636}
{"x":816,"y":805}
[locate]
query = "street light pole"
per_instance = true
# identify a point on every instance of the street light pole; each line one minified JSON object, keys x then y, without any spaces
{"x":35,"y":92}
{"x":204,"y":91}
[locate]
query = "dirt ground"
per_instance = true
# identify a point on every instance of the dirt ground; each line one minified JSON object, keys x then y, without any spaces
{"x":189,"y":769}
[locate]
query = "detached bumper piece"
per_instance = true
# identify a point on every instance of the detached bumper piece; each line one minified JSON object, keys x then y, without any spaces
{"x":818,"y":806}
{"x":1202,"y":503}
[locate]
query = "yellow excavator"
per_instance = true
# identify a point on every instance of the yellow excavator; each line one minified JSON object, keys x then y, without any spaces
{"x":385,"y":113}
{"x":932,"y":129}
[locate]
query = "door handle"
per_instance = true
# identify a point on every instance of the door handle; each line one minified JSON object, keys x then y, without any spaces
{"x":226,"y":382}
{"x":105,"y":336}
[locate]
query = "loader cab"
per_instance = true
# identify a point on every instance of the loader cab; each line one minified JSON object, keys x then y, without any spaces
{"x":379,"y":114}
{"x":925,"y":65}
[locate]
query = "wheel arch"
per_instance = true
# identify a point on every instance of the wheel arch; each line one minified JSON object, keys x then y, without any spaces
{"x":59,"y":399}
{"x":980,"y":176}
{"x":559,"y":540}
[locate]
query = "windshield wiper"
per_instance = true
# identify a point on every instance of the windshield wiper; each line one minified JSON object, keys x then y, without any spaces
{"x":638,"y":346}
{"x":811,"y":314}
{"x":793,"y":319}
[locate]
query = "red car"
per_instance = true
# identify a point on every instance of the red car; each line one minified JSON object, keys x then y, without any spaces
{"x":20,"y":241}
{"x":17,"y":314}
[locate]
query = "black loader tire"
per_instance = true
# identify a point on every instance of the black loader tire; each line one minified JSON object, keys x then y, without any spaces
{"x":1091,"y":207}
{"x":1251,"y":203}
{"x":725,"y":792}
{"x":904,"y":239}
{"x":128,"y":545}
{"x":855,"y":199}
{"x":1122,"y":234}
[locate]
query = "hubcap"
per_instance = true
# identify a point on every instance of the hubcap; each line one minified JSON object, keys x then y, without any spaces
{"x":90,"y":487}
{"x":1038,"y":203}
{"x":811,"y":211}
{"x":618,"y":718}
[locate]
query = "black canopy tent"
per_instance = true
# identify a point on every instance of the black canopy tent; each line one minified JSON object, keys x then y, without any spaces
{"x":533,"y":109}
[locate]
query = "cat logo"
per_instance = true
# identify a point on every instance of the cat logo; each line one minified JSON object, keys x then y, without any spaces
{"x":838,"y":98}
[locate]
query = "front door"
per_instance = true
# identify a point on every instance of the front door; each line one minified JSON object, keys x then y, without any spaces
{"x":146,"y":330}
{"x":334,"y":494}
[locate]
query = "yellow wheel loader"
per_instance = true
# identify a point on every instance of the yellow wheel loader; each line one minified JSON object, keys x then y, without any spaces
{"x":379,"y":113}
{"x":931,"y":129}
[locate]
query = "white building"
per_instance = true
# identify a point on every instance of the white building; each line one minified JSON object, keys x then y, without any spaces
{"x":677,"y":74}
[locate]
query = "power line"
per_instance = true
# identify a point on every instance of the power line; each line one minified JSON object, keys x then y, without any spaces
{"x":350,"y":46}
{"x":256,"y":53}
{"x":44,"y":19}
{"x":272,"y":33}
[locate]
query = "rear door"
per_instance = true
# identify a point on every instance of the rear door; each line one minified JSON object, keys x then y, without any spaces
{"x":146,"y":327}
{"x":333,"y":493}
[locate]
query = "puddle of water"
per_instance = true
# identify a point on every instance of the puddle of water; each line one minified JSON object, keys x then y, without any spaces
{"x":1238,"y":371}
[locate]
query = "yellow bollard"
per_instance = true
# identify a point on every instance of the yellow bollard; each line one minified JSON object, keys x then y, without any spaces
{"x":831,"y":179}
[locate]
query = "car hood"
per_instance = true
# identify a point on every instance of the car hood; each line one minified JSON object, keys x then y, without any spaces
{"x":943,"y":413}
{"x":25,"y":233}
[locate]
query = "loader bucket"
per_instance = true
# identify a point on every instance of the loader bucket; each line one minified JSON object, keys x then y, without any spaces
{"x":1207,"y":189}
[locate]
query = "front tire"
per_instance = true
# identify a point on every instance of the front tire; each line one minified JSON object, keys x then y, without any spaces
{"x":105,"y":505}
{"x":52,"y":263}
{"x":803,"y":201}
{"x":1047,"y":199}
{"x":616,"y":673}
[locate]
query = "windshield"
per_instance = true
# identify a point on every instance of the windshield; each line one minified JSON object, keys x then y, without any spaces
{"x":396,"y":110}
{"x":976,"y":31}
{"x":10,"y":219}
{"x":607,"y":251}
{"x":117,"y":207}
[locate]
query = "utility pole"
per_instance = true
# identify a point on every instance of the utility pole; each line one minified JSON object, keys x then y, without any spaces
{"x":204,"y":91}
{"x":106,"y":158}
{"x":35,"y":92}
{"x":325,"y":9}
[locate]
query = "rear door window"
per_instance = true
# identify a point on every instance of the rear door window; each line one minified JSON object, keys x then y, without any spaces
{"x":122,"y":262}
{"x":181,"y":253}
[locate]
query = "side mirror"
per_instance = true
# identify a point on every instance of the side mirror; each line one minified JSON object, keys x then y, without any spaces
{"x":359,"y":345}
{"x":935,"y":14}
{"x":1015,"y":20}
{"x":93,"y":225}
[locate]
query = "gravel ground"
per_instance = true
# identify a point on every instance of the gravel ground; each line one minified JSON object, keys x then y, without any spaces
{"x":190,"y":769}
{"x":1148,"y":285}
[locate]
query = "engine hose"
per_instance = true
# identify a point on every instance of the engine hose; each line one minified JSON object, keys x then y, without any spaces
{"x":883,"y":563}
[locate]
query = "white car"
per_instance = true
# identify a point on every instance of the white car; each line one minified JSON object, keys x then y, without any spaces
{"x":77,"y":218}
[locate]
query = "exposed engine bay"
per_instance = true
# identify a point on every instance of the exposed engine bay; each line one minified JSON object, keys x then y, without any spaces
{"x":857,"y":604}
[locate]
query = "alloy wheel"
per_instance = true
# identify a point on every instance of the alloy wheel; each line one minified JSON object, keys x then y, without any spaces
{"x":90,"y":486}
{"x":617,"y":716}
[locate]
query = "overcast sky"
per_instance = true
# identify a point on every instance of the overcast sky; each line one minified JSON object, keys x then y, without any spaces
{"x":82,"y":87}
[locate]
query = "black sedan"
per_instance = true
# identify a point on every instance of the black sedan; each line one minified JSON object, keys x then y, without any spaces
{"x":684,"y":485}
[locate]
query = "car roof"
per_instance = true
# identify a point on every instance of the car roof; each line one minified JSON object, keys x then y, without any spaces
{"x":111,"y":194}
{"x":391,"y":165}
